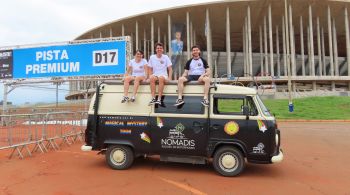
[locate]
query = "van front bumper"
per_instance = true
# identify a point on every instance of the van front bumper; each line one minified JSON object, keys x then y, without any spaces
{"x":278,"y":158}
{"x":86,"y":148}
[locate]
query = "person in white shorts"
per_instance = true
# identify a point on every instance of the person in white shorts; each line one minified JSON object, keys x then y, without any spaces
{"x":196,"y":69}
{"x":138,"y":69}
{"x":159,"y":70}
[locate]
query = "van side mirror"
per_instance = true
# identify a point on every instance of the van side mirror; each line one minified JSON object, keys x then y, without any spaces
{"x":246,"y":111}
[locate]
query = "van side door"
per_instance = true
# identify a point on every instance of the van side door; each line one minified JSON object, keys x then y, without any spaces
{"x":180,"y":130}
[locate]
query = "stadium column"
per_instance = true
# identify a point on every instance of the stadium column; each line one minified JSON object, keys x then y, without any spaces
{"x":101,"y":35}
{"x":287,"y":52}
{"x":158,"y":35}
{"x":144,"y":43}
{"x":330,"y":41}
{"x":191,"y":34}
{"x":250,"y":52}
{"x":123,"y":30}
{"x":111,"y":32}
{"x":244,"y":48}
{"x":302,"y":46}
{"x":336,"y":68}
{"x":152,"y":35}
{"x":347,"y":40}
{"x":228,"y":42}
{"x":323,"y":53}
{"x":261,"y":52}
{"x":292,"y":44}
{"x":265,"y":48}
{"x":137,"y":34}
{"x":284,"y":48}
{"x":278,"y":52}
{"x":312,"y":53}
{"x":320,"y":65}
{"x":169,"y":35}
{"x":209,"y":41}
{"x":194,"y":38}
{"x":247,"y":47}
{"x":165,"y":42}
{"x":131,"y":41}
{"x":271,"y":42}
{"x":309,"y":50}
{"x":188,"y":35}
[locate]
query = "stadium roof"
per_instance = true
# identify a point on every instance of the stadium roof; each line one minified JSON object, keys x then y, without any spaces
{"x":238,"y":13}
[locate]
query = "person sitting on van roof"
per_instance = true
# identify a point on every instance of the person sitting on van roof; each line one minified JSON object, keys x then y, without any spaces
{"x":159,"y":65}
{"x":138,"y":69}
{"x":196,"y":69}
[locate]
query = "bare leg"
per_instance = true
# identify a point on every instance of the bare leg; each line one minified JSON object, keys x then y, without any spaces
{"x":206,"y":87}
{"x":127,"y":81}
{"x":162,"y":81}
{"x":206,"y":81}
{"x":153,"y":80}
{"x":180,"y":86}
{"x":137,"y":84}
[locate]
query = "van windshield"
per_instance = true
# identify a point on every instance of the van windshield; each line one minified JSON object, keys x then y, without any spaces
{"x":265,"y":111}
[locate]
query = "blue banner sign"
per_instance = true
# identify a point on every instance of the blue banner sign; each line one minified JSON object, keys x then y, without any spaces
{"x":85,"y":59}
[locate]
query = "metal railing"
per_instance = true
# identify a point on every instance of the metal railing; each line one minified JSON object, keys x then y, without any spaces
{"x":28,"y":133}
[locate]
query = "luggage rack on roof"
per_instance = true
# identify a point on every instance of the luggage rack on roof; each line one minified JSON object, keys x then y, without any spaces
{"x":173,"y":82}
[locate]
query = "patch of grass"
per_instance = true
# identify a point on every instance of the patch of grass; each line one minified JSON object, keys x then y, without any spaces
{"x":312,"y":108}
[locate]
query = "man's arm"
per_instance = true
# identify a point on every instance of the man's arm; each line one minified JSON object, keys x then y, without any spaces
{"x":170,"y":72}
{"x":128,"y":71}
{"x":150,"y":71}
{"x":207,"y":72}
{"x":185,"y":74}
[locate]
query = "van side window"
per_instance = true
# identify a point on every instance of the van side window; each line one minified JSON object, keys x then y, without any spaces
{"x":192,"y":105}
{"x":234,"y":105}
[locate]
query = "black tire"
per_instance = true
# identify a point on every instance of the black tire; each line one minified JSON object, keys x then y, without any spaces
{"x":234,"y":158}
{"x":119,"y":157}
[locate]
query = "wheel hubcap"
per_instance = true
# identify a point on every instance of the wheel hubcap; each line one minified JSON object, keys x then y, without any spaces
{"x":228,"y":161}
{"x":118,"y":156}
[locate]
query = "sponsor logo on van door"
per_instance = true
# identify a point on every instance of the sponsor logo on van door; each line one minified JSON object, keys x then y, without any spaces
{"x":231,"y":128}
{"x":145,"y":137}
{"x":259,"y":149}
{"x":262,"y":126}
{"x":177,"y":139}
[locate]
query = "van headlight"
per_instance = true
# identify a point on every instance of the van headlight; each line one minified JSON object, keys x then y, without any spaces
{"x":277,"y":139}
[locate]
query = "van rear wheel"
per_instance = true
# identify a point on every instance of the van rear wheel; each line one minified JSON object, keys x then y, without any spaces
{"x":119,"y":157}
{"x":228,"y":161}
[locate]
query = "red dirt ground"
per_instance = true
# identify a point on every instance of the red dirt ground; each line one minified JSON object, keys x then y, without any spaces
{"x":316,"y":162}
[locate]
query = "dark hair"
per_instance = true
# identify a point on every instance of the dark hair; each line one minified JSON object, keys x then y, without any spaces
{"x":195,"y":46}
{"x":139,"y":51}
{"x":159,"y":44}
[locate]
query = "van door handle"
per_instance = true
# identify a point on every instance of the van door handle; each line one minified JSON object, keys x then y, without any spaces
{"x":215,"y":126}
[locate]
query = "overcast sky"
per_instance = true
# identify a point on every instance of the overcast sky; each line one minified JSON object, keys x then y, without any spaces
{"x":45,"y":21}
{"x":41,"y":21}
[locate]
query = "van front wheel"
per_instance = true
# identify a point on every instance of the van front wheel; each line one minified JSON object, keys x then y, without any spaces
{"x":119,"y":157}
{"x":228,"y":161}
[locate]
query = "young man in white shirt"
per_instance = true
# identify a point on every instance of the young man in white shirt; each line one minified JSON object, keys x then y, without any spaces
{"x":196,"y":69}
{"x":160,"y":69}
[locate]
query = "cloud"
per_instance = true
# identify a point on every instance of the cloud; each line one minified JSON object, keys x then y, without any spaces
{"x":46,"y":21}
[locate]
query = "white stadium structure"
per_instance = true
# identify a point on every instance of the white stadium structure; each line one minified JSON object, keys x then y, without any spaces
{"x":296,"y":45}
